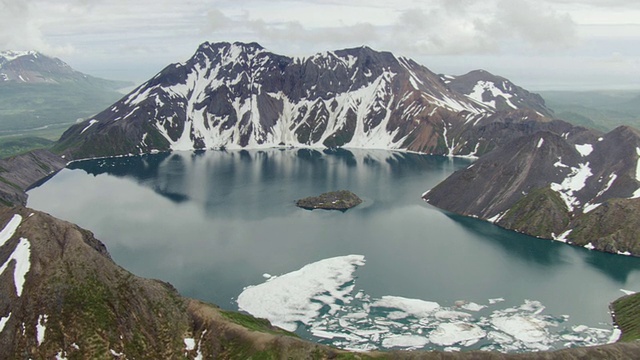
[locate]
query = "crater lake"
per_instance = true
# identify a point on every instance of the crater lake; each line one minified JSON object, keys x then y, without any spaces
{"x":391,"y":273}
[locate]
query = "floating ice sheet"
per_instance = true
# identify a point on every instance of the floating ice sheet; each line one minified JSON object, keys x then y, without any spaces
{"x":322,"y":298}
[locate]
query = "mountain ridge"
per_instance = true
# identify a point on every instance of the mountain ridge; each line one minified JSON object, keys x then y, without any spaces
{"x":240,"y":95}
{"x":555,"y":187}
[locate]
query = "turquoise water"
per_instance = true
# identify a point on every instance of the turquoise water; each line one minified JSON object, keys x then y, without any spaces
{"x":212,"y":223}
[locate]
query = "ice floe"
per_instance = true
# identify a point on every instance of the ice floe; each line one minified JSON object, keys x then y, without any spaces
{"x":298,"y":296}
{"x":320,"y":300}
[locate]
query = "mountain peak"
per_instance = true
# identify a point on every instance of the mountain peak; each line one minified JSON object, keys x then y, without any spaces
{"x":10,"y":55}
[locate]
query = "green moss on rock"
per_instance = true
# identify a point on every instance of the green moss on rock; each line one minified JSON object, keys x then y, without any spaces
{"x":540,"y":213}
{"x":626,"y":312}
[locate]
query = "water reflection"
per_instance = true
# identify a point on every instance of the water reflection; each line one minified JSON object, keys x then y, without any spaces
{"x":541,"y":252}
{"x":227,"y":183}
{"x":616,"y":267}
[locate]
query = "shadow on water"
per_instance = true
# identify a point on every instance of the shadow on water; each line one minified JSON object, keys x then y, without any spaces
{"x":617,"y":267}
{"x":525,"y":247}
{"x":547,"y":252}
{"x":146,"y":170}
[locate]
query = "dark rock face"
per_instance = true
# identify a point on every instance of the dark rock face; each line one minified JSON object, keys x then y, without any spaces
{"x":334,"y":200}
{"x":240,"y":95}
{"x":19,"y":172}
{"x":575,"y":187}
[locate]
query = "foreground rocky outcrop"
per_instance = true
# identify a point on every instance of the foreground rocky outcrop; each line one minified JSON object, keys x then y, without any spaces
{"x":334,"y":200}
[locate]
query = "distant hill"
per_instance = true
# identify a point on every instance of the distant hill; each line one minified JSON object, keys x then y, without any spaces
{"x":41,"y":96}
{"x":602,"y":110}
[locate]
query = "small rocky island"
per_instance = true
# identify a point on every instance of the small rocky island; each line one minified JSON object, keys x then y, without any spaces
{"x":334,"y":200}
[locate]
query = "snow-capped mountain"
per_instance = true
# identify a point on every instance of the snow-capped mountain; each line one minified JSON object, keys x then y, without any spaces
{"x":578,"y":188}
{"x":33,"y":67}
{"x":240,"y":95}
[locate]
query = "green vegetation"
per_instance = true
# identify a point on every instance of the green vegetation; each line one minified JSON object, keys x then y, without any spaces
{"x":34,"y":106}
{"x":17,"y":145}
{"x":627,"y":316}
{"x":540,"y":213}
{"x":252,"y":323}
{"x":602,"y":110}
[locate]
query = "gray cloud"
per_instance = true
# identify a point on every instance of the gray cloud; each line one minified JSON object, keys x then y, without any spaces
{"x":113,"y":35}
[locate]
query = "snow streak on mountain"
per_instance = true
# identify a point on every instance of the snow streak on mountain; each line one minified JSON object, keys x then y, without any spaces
{"x":240,"y":95}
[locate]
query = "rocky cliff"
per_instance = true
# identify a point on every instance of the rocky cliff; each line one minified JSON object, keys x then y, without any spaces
{"x":581,"y":189}
{"x":18,"y":173}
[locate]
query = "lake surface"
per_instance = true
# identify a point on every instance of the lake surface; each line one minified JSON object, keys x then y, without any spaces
{"x":393,"y":272}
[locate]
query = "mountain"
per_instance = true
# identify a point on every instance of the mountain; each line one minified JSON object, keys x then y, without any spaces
{"x":32,"y":67}
{"x":41,"y":96}
{"x":240,"y":95}
{"x":582,"y":190}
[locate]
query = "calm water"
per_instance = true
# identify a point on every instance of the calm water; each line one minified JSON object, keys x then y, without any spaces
{"x":212,"y":223}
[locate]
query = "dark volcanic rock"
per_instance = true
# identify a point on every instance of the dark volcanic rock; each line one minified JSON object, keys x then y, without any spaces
{"x":18,"y":173}
{"x":578,"y":188}
{"x":240,"y":95}
{"x":334,"y":200}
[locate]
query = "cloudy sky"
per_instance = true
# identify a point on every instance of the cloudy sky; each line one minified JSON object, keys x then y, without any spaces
{"x":538,"y":44}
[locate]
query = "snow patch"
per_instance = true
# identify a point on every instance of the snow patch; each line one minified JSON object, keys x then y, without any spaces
{"x":636,"y":194}
{"x":573,"y":183}
{"x":562,"y":237}
{"x":189,"y":344}
{"x":10,"y":229}
{"x":584,"y":149}
{"x":3,"y":321}
{"x":41,"y":328}
{"x":589,"y":246}
{"x":91,"y":122}
{"x":21,"y":255}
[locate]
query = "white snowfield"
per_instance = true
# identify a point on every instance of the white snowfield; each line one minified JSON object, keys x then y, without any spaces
{"x":320,"y":298}
{"x":487,"y":86}
{"x":21,"y":254}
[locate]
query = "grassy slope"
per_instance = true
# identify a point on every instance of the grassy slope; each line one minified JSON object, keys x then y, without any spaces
{"x":627,"y":316}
